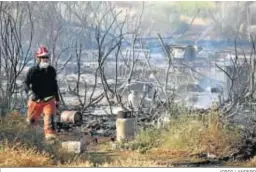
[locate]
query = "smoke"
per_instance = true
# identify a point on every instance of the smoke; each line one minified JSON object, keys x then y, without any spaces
{"x":205,"y":33}
{"x":206,"y":100}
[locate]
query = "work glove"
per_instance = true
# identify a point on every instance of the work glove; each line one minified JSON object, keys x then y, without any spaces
{"x":31,"y":96}
{"x":30,"y":121}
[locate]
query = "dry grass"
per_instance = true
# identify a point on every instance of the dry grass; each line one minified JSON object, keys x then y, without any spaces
{"x":193,"y":135}
{"x":130,"y":162}
{"x":133,"y":162}
{"x":252,"y":162}
{"x":206,"y":134}
{"x":249,"y":163}
{"x":23,"y":146}
{"x":20,"y":156}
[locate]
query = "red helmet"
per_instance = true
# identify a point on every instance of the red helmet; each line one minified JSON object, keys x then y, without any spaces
{"x":42,"y":51}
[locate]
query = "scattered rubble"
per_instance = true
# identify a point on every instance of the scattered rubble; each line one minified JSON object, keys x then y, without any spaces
{"x":72,"y":146}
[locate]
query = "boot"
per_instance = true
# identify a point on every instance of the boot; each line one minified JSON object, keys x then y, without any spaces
{"x":50,"y":138}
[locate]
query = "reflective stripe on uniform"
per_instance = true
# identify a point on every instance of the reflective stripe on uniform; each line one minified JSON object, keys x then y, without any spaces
{"x":45,"y":99}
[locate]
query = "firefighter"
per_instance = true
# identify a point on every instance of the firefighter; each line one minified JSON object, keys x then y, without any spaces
{"x":41,"y":82}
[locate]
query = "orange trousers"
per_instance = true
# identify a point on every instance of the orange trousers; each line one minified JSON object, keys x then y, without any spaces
{"x":48,"y":109}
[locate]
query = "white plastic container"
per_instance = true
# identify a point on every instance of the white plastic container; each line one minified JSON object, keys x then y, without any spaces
{"x":125,"y":129}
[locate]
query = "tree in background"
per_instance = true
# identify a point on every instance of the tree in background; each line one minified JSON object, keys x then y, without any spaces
{"x":15,"y":20}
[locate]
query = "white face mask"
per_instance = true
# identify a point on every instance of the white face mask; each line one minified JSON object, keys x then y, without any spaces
{"x":43,"y":64}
